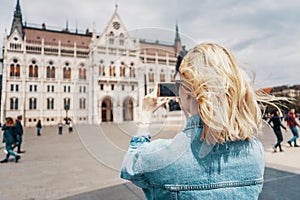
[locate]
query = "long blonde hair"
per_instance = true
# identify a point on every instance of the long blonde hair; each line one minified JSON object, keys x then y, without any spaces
{"x":228,"y":103}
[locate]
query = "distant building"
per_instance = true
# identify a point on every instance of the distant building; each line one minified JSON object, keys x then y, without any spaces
{"x":284,"y":90}
{"x":54,"y":74}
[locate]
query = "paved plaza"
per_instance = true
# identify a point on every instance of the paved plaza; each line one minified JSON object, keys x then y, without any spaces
{"x":85,"y":164}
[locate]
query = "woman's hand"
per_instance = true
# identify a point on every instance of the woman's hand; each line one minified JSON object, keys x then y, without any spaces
{"x":151,"y":102}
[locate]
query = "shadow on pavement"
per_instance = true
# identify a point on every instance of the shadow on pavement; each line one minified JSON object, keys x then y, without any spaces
{"x":279,"y":185}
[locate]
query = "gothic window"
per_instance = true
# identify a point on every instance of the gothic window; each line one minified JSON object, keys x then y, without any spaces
{"x":15,"y":68}
{"x":101,"y":68}
{"x":132,"y":72}
{"x":151,"y":77}
{"x":112,"y":70}
{"x":121,"y":39}
{"x":14,"y":103}
{"x":162,"y":78}
{"x":122,"y":71}
{"x":50,"y":70}
{"x":67,"y":71}
{"x":12,"y":70}
{"x":82,"y":73}
{"x":32,"y":103}
{"x":111,"y":38}
{"x":33,"y":69}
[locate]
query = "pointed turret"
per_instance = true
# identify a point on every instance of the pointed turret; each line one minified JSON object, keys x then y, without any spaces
{"x":178,"y":46}
{"x":17,"y":20}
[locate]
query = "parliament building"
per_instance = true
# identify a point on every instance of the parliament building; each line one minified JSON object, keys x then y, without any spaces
{"x":90,"y":78}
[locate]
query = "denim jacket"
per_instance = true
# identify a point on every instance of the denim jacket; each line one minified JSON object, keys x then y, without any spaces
{"x":186,"y":168}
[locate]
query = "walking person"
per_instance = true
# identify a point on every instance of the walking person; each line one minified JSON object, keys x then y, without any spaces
{"x":70,"y":126}
{"x":292,"y":123}
{"x":19,"y":131}
{"x":10,"y":139}
{"x":38,"y":127}
{"x":275,"y":123}
{"x":60,"y":127}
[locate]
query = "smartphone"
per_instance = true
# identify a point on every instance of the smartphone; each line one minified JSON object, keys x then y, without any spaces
{"x":168,"y":90}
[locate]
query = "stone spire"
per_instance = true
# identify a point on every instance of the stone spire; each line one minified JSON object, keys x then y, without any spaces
{"x":178,"y":46}
{"x":17,"y":20}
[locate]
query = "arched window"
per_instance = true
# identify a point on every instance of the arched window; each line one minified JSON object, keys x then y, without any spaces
{"x":121,"y":39}
{"x":101,"y":68}
{"x":15,"y":68}
{"x":67,"y":71}
{"x":12,"y":70}
{"x":132,"y":70}
{"x":112,"y":70}
{"x":33,"y":69}
{"x":50,"y":70}
{"x":82,"y":72}
{"x":18,"y":69}
{"x":111,"y":39}
{"x":122,"y":69}
{"x":151,"y":77}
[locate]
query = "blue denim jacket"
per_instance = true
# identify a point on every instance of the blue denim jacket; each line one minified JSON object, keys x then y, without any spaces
{"x":186,"y":168}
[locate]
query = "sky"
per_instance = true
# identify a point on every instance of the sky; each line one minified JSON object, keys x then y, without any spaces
{"x":262,"y":34}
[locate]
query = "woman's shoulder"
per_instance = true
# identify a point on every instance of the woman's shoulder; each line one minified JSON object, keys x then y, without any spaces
{"x":154,"y":146}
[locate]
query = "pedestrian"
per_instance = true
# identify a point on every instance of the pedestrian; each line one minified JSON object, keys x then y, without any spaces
{"x":60,"y":127}
{"x":216,"y":155}
{"x":275,"y":123}
{"x":70,"y":126}
{"x":19,"y":131}
{"x":38,"y":127}
{"x":292,"y":124}
{"x":10,"y":139}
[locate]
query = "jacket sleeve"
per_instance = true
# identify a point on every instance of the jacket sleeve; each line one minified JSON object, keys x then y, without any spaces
{"x":4,"y":127}
{"x":131,"y":167}
{"x":282,"y":126}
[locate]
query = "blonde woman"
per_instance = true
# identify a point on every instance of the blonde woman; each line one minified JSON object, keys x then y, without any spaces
{"x":217,"y":155}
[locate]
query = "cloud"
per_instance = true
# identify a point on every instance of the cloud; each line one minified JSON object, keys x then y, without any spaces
{"x":263,"y":34}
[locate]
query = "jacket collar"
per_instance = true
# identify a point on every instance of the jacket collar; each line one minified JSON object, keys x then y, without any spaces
{"x":194,"y":122}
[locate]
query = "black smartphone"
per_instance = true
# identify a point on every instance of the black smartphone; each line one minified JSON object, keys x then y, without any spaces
{"x":168,"y":90}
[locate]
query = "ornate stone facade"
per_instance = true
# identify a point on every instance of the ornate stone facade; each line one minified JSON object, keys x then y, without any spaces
{"x":90,"y":78}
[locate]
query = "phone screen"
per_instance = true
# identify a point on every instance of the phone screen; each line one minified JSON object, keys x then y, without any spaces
{"x":168,"y":90}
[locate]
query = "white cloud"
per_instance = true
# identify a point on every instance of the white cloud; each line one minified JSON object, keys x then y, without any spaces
{"x":262,"y":33}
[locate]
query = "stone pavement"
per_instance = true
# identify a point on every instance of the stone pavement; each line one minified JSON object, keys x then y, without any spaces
{"x":85,"y":164}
